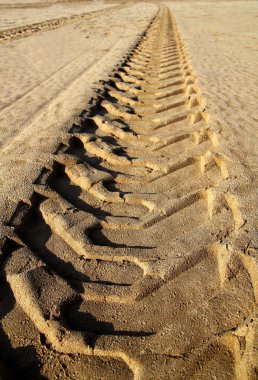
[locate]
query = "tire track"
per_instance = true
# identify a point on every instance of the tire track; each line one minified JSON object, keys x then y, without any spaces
{"x":27,"y":30}
{"x":129,"y":240}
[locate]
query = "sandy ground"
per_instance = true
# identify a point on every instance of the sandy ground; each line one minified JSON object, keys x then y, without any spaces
{"x":13,"y":17}
{"x":223,"y":42}
{"x":160,"y":270}
{"x":45,"y":93}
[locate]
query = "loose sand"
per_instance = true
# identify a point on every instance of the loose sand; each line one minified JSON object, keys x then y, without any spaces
{"x":128,"y":178}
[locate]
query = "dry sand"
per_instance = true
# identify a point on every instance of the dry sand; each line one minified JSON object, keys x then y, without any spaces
{"x":128,"y":178}
{"x":29,"y":14}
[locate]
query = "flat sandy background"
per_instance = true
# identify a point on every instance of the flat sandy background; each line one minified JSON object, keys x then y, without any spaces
{"x":12,"y":16}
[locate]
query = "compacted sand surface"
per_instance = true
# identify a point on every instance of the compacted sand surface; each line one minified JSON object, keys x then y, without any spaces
{"x":128,"y":200}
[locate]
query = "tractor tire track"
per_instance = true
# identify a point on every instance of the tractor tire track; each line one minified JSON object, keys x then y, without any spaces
{"x":130,"y":237}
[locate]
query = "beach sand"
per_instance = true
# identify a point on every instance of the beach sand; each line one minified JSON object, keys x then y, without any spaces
{"x":128,"y":190}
